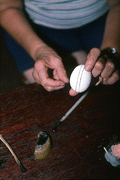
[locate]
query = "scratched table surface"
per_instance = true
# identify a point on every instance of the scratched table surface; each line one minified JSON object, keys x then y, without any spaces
{"x":77,"y":148}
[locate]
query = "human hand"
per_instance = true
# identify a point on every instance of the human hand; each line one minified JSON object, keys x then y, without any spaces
{"x":103,"y":67}
{"x":46,"y":59}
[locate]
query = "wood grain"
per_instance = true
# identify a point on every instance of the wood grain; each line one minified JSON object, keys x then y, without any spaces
{"x":77,"y":147}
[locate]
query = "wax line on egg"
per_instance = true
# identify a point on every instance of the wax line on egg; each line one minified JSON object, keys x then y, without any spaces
{"x":78,"y":77}
{"x":81,"y":76}
{"x":70,"y":110}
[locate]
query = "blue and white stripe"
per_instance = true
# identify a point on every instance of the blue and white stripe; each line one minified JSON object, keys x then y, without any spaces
{"x":65,"y":14}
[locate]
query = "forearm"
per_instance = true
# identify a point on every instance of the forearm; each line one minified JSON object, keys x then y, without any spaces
{"x":15,"y":23}
{"x":112,"y":29}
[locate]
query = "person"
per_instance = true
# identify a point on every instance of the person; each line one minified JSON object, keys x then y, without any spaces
{"x":84,"y":28}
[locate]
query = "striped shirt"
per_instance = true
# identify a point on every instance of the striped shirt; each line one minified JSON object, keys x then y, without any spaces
{"x":65,"y":14}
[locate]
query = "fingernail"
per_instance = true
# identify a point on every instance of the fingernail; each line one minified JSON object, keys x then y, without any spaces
{"x":94,"y":73}
{"x":66,"y":80}
{"x":88,"y":68}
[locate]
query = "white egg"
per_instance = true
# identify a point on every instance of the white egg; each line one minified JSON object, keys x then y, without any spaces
{"x":80,"y":79}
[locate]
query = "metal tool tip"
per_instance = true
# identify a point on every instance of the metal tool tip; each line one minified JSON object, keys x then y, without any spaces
{"x":23,"y":169}
{"x":54,"y":129}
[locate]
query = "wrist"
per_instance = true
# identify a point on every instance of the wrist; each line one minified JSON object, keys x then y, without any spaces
{"x":44,"y":51}
{"x":36,"y":48}
{"x":112,"y":54}
{"x":111,"y":44}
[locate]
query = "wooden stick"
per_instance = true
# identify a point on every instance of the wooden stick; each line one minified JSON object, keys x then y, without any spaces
{"x":23,"y":169}
{"x":70,"y":110}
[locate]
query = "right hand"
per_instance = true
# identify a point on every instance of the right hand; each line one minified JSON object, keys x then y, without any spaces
{"x":47,"y":58}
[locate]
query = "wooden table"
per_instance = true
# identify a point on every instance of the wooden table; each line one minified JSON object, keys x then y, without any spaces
{"x":77,"y":150}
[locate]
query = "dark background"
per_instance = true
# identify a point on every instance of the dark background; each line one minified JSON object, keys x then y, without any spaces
{"x":9,"y":74}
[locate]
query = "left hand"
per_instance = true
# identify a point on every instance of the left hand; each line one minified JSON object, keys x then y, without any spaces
{"x":102,"y":67}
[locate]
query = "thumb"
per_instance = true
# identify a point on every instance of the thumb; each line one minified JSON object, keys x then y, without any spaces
{"x":72,"y":92}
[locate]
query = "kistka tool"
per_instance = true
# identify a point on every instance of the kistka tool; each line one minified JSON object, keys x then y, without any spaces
{"x":54,"y":129}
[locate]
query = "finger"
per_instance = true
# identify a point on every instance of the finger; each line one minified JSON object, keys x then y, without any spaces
{"x":35,"y":75}
{"x":114,"y":78}
{"x":52,"y":82}
{"x":108,"y":70}
{"x":92,"y":58}
{"x":48,"y":82}
{"x":99,"y":66}
{"x":62,"y":74}
{"x":45,"y":80}
{"x":42,"y":78}
{"x":49,"y":86}
{"x":53,"y":88}
{"x":55,"y":75}
{"x":72,"y":92}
